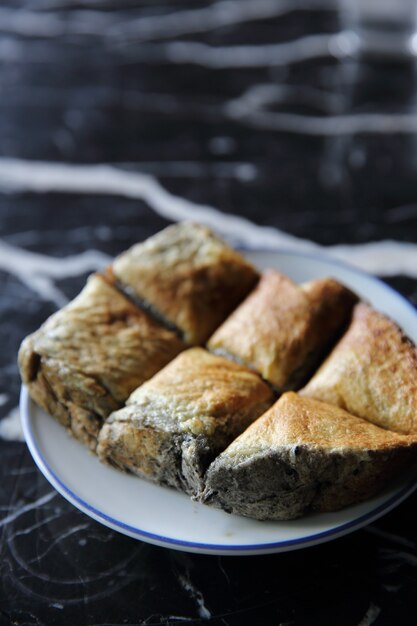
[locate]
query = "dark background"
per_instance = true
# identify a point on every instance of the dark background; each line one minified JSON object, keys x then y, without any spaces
{"x":205,"y":99}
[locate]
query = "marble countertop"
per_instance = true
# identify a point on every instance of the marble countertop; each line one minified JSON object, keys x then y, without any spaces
{"x":120,"y":117}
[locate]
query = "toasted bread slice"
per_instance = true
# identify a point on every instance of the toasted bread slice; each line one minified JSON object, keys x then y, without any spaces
{"x":88,"y":357}
{"x":303,"y":455}
{"x":186,"y":276}
{"x":176,"y":423}
{"x":282,"y":330}
{"x":372,"y":373}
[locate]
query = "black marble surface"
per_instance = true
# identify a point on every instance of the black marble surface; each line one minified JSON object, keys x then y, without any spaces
{"x":197,"y":104}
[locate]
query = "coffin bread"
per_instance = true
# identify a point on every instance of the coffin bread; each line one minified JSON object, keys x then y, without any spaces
{"x":372,"y":373}
{"x":87,"y":358}
{"x":304,"y":455}
{"x":174,"y":425}
{"x":282,"y":329}
{"x":187,"y":277}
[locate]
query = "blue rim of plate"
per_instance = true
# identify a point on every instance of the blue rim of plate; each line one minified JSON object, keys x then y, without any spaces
{"x":290,"y":544}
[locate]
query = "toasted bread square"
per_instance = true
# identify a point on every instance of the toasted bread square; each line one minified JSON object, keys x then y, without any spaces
{"x":372,"y":373}
{"x":176,"y":423}
{"x":303,"y":455}
{"x":87,"y":358}
{"x":186,"y":276}
{"x":282,"y":329}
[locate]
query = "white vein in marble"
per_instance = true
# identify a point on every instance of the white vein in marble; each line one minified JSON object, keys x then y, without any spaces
{"x":399,"y":557}
{"x":39,"y":524}
{"x":401,"y":213}
{"x":386,"y":258}
{"x":195,"y":594}
{"x":124,"y":26}
{"x":26,"y":23}
{"x":352,"y":124}
{"x":251,"y":108}
{"x":3,"y":398}
{"x":11,"y":427}
{"x":169,"y":27}
{"x":371,"y":615}
{"x":21,"y":510}
{"x":216,"y":15}
{"x":62,"y":535}
{"x":251,"y":56}
{"x":38,"y":272}
{"x":383,"y":534}
{"x":21,"y":471}
{"x":259,"y":96}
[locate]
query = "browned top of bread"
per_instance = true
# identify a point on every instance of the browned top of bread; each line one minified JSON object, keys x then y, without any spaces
{"x":372,"y":372}
{"x":98,"y":346}
{"x":304,"y":455}
{"x":294,"y":420}
{"x":199,"y":392}
{"x":189,"y":275}
{"x":281,"y":329}
{"x":174,"y":425}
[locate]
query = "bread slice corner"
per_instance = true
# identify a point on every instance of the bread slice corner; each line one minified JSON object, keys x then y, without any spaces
{"x":174,"y":425}
{"x":371,"y":372}
{"x":303,"y":455}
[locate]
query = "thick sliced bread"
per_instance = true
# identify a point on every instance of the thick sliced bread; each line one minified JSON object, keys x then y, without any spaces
{"x":372,"y":373}
{"x":87,"y":358}
{"x":282,"y":330}
{"x":175,"y":424}
{"x":186,"y":275}
{"x":304,"y":455}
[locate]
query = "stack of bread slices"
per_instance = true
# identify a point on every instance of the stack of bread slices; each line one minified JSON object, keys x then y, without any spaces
{"x":183,"y":365}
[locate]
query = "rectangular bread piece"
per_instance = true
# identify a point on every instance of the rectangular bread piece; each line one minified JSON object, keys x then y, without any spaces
{"x":282,"y":330}
{"x":87,"y":358}
{"x":175,"y":424}
{"x":303,"y":455}
{"x":372,"y":372}
{"x":186,"y":276}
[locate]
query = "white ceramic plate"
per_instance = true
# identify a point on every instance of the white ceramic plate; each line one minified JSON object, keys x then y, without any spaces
{"x":164,"y":517}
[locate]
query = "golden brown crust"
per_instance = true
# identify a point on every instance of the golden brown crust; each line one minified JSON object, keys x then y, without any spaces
{"x":296,"y":420}
{"x":282,"y":329}
{"x":197,"y":397}
{"x":87,"y":358}
{"x":202,"y":391}
{"x":188,"y":275}
{"x":372,"y":373}
{"x":304,"y":455}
